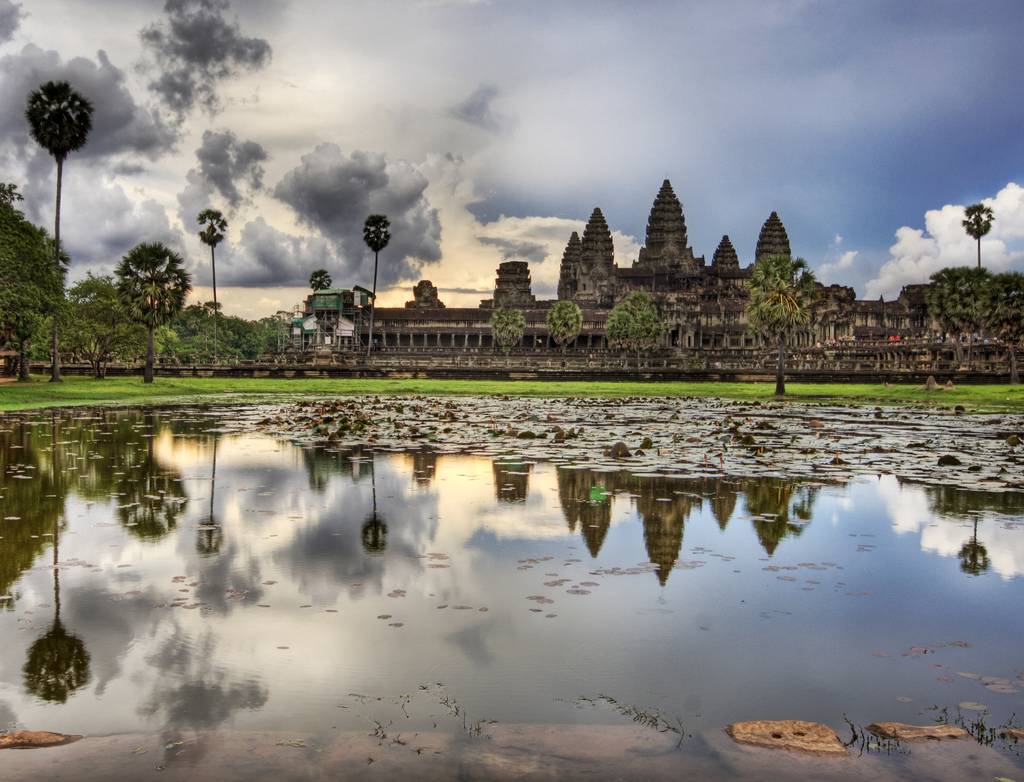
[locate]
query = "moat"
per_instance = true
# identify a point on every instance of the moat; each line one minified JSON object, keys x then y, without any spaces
{"x":488,"y":587}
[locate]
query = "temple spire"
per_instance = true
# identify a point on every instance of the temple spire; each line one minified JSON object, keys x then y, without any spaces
{"x":725,"y":256}
{"x":572,"y":258}
{"x":665,"y":244}
{"x":773,"y":239}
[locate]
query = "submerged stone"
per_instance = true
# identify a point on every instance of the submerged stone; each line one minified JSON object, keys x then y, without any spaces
{"x":34,"y":739}
{"x":811,"y":737}
{"x":904,"y":732}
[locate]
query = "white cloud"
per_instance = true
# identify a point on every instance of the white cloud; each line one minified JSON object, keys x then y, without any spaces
{"x":917,"y":253}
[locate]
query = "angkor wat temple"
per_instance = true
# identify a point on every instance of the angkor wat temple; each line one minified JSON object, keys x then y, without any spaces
{"x":702,"y":304}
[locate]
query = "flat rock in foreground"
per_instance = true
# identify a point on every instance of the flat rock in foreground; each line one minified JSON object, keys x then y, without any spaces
{"x":796,"y":735}
{"x":904,"y":732}
{"x":34,"y":739}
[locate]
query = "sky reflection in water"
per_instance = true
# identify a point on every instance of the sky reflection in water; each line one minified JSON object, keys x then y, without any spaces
{"x":302,"y":584}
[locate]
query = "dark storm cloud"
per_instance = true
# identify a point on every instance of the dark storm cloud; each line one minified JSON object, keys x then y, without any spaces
{"x":196,"y":48}
{"x":10,"y":18}
{"x":120,"y":124}
{"x":512,"y":249}
{"x":476,"y":108}
{"x":224,"y":162}
{"x":266,"y":257}
{"x":334,"y":193}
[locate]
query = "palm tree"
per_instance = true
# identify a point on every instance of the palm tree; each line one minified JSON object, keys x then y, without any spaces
{"x":955,"y":301}
{"x":59,"y":121}
{"x":978,"y":222}
{"x":564,"y":322}
{"x":1003,"y":307}
{"x":153,"y":282}
{"x":320,"y":280}
{"x":507,"y":327}
{"x":782,"y":290}
{"x":374,"y":530}
{"x":57,"y":662}
{"x":376,"y":235}
{"x":973,"y":555}
{"x":214,"y":228}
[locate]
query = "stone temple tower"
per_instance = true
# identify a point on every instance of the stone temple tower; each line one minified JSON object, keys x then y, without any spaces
{"x":725,"y":258}
{"x":572,"y":259}
{"x":773,"y":239}
{"x":665,"y":247}
{"x":595,"y":283}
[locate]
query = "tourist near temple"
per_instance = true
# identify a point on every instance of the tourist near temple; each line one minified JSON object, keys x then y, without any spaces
{"x":703,"y":305}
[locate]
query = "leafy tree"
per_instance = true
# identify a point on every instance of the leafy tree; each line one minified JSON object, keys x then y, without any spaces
{"x":1003,"y":308}
{"x":9,"y":194}
{"x":978,"y":222}
{"x":59,"y":121}
{"x":955,"y":301}
{"x":782,"y":290}
{"x":188,"y":336}
{"x":634,"y":324}
{"x":376,"y":234}
{"x":507,"y":327}
{"x":320,"y":280}
{"x":564,"y":322}
{"x":153,"y":283}
{"x":100,"y":328}
{"x":167,"y":342}
{"x":29,"y":281}
{"x":214,"y":228}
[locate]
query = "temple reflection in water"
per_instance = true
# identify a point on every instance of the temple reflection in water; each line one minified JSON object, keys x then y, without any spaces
{"x":108,"y":456}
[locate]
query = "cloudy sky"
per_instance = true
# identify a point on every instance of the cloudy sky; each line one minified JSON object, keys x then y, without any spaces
{"x":489,"y":130}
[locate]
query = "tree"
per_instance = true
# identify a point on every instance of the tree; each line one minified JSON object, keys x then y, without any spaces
{"x":57,"y":663}
{"x":973,"y":555}
{"x":376,"y":234}
{"x":214,"y":229}
{"x":978,"y":222}
{"x":9,"y":195}
{"x":507,"y":327}
{"x":564,"y":322}
{"x":99,"y":327}
{"x":1003,"y":308}
{"x":29,"y":281}
{"x":153,"y":283}
{"x":59,"y":121}
{"x":782,"y":290}
{"x":320,"y":280}
{"x":634,"y":324}
{"x":955,"y":300}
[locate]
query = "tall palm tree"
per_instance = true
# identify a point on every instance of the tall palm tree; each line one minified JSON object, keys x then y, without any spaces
{"x":782,"y":290}
{"x":375,"y":529}
{"x":214,"y":228}
{"x":153,"y":282}
{"x":978,"y":222}
{"x":376,"y":234}
{"x":973,"y":556}
{"x":320,"y":280}
{"x":59,"y":121}
{"x":57,"y":663}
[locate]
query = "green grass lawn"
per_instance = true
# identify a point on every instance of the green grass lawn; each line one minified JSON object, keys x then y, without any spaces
{"x":130,"y":390}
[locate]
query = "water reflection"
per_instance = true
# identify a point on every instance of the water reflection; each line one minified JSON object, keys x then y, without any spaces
{"x":213,"y":577}
{"x":57,"y":662}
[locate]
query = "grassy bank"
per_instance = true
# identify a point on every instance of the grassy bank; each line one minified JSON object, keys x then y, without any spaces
{"x":130,"y":390}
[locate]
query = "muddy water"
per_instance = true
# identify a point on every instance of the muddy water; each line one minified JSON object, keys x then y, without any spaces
{"x":195,"y":596}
